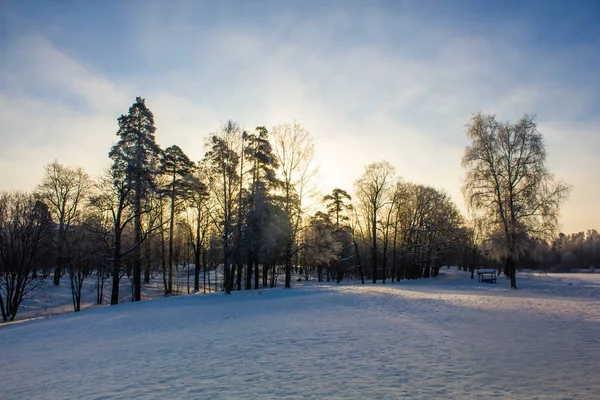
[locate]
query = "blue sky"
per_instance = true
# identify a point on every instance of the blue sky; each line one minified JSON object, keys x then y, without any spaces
{"x":370,"y":80}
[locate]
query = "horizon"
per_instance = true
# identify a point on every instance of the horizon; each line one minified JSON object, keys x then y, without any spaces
{"x":370,"y":81}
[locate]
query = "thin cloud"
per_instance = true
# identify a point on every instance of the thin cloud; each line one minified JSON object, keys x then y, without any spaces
{"x":368,"y":83}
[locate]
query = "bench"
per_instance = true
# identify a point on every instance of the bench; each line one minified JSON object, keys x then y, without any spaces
{"x":486,"y":275}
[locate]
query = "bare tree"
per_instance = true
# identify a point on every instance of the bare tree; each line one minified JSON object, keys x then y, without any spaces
{"x":198,"y":216}
{"x":63,"y":189}
{"x":223,"y":158}
{"x":373,"y":194}
{"x":474,"y":235}
{"x":176,"y":165}
{"x":25,"y":230}
{"x":506,"y":179}
{"x":85,"y":256}
{"x":295,"y":153}
{"x":115,"y":203}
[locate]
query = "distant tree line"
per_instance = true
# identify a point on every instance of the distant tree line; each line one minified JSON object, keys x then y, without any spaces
{"x":241,"y":213}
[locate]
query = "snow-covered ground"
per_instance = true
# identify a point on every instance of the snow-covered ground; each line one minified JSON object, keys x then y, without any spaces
{"x":443,"y":338}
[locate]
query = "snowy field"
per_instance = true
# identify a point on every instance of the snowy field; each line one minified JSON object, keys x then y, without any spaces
{"x":443,"y":338}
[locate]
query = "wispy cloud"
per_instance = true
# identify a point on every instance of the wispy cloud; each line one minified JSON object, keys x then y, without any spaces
{"x":391,"y":81}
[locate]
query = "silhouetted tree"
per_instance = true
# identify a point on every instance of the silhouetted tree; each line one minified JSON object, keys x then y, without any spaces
{"x":25,"y":231}
{"x":223,"y":160}
{"x":180,"y":187}
{"x":114,"y":202}
{"x":263,"y":181}
{"x":199,"y":221}
{"x":137,"y":152}
{"x":63,"y":189}
{"x":336,"y":205}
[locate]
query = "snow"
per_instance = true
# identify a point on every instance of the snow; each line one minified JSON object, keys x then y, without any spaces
{"x":448,"y":337}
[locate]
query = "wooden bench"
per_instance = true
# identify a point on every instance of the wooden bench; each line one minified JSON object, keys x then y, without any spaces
{"x":486,"y":275}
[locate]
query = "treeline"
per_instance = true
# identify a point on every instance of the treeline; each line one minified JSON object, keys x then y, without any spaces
{"x":240,"y":211}
{"x":565,"y":253}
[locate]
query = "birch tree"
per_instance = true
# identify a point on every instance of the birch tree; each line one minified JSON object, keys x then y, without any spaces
{"x":63,"y":189}
{"x":373,"y":194}
{"x":507,"y":180}
{"x":295,"y":151}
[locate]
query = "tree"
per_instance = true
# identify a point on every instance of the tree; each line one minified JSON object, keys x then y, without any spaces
{"x":85,"y":256}
{"x":295,"y":152}
{"x":336,"y":206}
{"x":25,"y":232}
{"x":322,"y":247}
{"x":180,"y":187}
{"x":63,"y":190}
{"x":506,"y":179}
{"x":373,"y":194}
{"x":223,"y":159}
{"x":114,"y":204}
{"x":474,"y":235}
{"x":263,"y":164}
{"x":138,"y":153}
{"x":199,"y":228}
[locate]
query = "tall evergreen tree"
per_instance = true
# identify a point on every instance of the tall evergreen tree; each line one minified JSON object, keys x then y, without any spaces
{"x":181,"y":184}
{"x":200,"y":234}
{"x":224,"y":159}
{"x":138,"y":150}
{"x":336,"y":206}
{"x":263,"y":164}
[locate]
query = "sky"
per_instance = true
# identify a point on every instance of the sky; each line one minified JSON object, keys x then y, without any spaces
{"x":370,"y":80}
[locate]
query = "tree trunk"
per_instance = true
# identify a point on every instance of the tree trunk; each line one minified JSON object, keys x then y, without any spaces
{"x":374,"y":248}
{"x":114,"y":296}
{"x":148,"y":264}
{"x":171,"y":239}
{"x":511,"y":271}
{"x":288,"y":264}
{"x":256,"y":272}
{"x":249,"y":268}
{"x":197,"y":267}
{"x":204,"y":266}
{"x":57,"y":274}
{"x":137,"y":255}
{"x":360,"y":268}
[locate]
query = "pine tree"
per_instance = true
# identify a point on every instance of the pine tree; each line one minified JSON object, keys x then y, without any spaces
{"x":223,"y":159}
{"x":179,"y":170}
{"x":262,"y":168}
{"x":336,"y":206}
{"x":138,"y":151}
